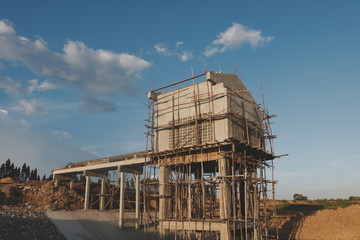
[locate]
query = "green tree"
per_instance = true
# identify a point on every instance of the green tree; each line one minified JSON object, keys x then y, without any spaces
{"x":23,"y":173}
{"x":297,"y":196}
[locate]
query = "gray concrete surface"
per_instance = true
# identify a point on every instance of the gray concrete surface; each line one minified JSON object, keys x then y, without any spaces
{"x":91,"y":225}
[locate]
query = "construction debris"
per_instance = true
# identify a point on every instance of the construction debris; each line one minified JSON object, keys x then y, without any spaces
{"x":40,"y":194}
{"x":27,"y":224}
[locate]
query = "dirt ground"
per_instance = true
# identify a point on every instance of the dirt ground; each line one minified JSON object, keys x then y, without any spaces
{"x":316,"y":223}
{"x":327,"y":224}
{"x":342,"y":223}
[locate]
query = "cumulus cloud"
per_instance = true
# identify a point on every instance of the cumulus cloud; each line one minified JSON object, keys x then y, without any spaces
{"x":61,"y":134}
{"x":234,"y":37}
{"x":36,"y":86}
{"x":6,"y":27}
{"x":31,"y":107}
{"x":162,"y":49}
{"x":24,"y":122}
{"x":10,"y":85}
{"x":3,"y":112}
{"x":96,"y":72}
{"x":178,"y":44}
{"x":98,"y":105}
{"x":185,"y":56}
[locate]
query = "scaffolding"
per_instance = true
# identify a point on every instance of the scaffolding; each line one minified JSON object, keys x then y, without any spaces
{"x":211,"y":169}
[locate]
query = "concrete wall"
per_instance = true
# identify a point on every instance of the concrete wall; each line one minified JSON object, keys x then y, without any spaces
{"x":210,"y":101}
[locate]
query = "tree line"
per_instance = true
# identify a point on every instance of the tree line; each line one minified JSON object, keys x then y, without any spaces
{"x":24,"y":173}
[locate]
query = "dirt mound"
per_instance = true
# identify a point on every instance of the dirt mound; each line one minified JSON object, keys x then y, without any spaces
{"x":8,"y":180}
{"x":317,"y":224}
{"x":339,"y":224}
{"x":40,"y":194}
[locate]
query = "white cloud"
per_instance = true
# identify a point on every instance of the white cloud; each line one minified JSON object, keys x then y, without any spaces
{"x":178,"y":44}
{"x":185,"y":56}
{"x":98,"y":105}
{"x":24,"y":122}
{"x":31,"y":107}
{"x":61,"y":134}
{"x":96,"y":72}
{"x":234,"y":37}
{"x":162,"y":49}
{"x":6,"y":27}
{"x":10,"y":86}
{"x":35,"y":86}
{"x":4,"y":112}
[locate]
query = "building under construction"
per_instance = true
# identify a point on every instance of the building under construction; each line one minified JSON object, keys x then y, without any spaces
{"x":208,"y":169}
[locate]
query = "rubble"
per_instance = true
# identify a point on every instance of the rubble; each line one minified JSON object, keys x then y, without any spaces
{"x":40,"y":194}
{"x":27,"y":224}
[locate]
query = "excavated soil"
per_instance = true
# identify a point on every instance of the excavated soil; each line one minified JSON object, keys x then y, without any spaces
{"x":328,"y":224}
{"x":339,"y":224}
{"x":39,"y":194}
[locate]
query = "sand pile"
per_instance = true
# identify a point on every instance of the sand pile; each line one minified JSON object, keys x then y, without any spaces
{"x":339,"y":224}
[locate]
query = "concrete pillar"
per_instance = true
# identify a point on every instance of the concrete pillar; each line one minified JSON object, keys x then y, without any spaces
{"x":121,"y":204}
{"x":224,"y":234}
{"x":164,"y":204}
{"x":189,"y":203}
{"x":225,"y":189}
{"x":87,"y":193}
{"x":71,"y":185}
{"x":57,"y":182}
{"x":102,"y":193}
{"x":137,"y":204}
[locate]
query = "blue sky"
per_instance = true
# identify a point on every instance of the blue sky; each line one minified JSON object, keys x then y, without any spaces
{"x":73,"y":77}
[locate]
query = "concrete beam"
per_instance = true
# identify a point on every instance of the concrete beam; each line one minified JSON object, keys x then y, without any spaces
{"x":64,"y":177}
{"x":194,"y":225}
{"x":103,"y":166}
{"x":96,"y":173}
{"x":131,"y":169}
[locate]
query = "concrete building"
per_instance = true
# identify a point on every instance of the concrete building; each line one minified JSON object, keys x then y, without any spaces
{"x":204,"y":175}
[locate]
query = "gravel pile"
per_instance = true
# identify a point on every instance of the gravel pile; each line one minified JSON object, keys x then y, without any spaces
{"x":27,"y":224}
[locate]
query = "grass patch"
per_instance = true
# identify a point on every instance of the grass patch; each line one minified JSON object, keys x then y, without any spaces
{"x":301,"y":207}
{"x":316,"y":205}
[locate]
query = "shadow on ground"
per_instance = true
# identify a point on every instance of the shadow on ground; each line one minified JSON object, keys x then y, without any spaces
{"x":290,"y":219}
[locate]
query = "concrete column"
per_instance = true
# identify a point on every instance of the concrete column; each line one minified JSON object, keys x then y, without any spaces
{"x":102,"y":193}
{"x":225,"y":189}
{"x":57,"y":182}
{"x":87,"y":193}
{"x":189,"y":204}
{"x":224,"y":234}
{"x":137,"y":204}
{"x":121,"y":204}
{"x":71,"y":185}
{"x":164,"y":174}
